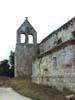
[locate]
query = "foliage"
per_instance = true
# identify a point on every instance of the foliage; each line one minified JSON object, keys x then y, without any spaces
{"x":7,"y":66}
{"x":11,"y":57}
{"x":11,"y":63}
{"x":4,"y":68}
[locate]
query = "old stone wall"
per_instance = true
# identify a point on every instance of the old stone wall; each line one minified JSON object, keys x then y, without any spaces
{"x":62,"y":34}
{"x":56,"y":69}
{"x":25,"y":55}
{"x":26,"y":51}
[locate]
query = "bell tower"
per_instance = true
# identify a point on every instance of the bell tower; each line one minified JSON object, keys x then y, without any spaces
{"x":26,"y":51}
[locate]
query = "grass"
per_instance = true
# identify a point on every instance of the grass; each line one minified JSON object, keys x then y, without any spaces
{"x":24,"y":86}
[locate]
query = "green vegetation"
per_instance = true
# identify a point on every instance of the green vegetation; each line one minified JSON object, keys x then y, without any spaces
{"x":24,"y":86}
{"x":4,"y":68}
{"x":7,"y":66}
{"x":11,"y":64}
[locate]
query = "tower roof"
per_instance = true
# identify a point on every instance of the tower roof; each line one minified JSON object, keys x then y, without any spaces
{"x":26,"y":27}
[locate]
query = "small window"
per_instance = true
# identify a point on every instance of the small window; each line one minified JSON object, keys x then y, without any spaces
{"x":59,"y":41}
{"x":23,"y":38}
{"x":68,"y":65}
{"x":73,"y":33}
{"x":30,"y":39}
{"x":54,"y":61}
{"x":45,"y":69}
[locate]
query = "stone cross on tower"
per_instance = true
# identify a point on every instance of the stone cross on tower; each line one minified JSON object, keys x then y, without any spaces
{"x":26,"y":18}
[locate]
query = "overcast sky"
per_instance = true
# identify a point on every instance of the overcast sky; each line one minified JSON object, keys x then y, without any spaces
{"x":44,"y":15}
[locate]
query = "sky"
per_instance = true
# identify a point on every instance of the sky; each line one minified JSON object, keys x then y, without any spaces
{"x":44,"y":15}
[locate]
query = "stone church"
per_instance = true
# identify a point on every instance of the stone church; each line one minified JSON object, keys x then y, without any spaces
{"x":51,"y":62}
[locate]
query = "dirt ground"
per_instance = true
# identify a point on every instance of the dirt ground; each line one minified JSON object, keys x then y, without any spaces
{"x":24,"y":86}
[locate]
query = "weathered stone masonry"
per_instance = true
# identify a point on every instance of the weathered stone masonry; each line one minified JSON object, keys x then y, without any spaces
{"x":55,"y":65}
{"x":26,"y":52}
{"x":56,"y":68}
{"x":52,"y":62}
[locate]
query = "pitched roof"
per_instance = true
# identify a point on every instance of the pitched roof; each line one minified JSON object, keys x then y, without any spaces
{"x":24,"y":24}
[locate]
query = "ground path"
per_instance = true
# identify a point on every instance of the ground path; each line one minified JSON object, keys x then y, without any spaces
{"x":10,"y":94}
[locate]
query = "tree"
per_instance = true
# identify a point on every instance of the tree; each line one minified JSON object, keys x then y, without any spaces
{"x":11,"y":64}
{"x":4,"y":68}
{"x":11,"y":58}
